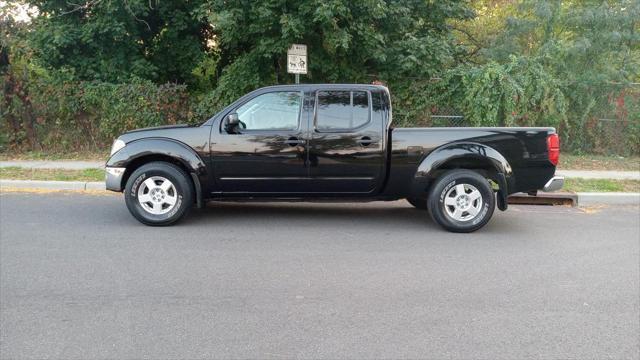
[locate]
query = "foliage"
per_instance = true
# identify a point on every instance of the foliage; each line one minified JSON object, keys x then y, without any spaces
{"x":82,"y":72}
{"x":347,"y":40}
{"x":89,"y":115}
{"x":600,"y":185}
{"x":592,"y":48}
{"x":517,"y":93}
{"x":118,"y":40}
{"x":478,"y":35}
{"x":616,"y":127}
{"x":16,"y":110}
{"x":580,"y":41}
{"x":18,"y":173}
{"x":599,"y":162}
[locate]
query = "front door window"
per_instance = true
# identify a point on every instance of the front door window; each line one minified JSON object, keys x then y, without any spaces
{"x":271,"y":111}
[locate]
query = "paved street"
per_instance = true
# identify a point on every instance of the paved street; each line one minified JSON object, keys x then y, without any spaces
{"x":80,"y":278}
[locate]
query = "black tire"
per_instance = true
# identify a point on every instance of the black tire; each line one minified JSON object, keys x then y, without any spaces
{"x":418,"y":203}
{"x":446,"y":186}
{"x":182,"y":191}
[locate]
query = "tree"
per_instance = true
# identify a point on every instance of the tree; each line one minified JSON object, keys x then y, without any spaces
{"x":479,"y":33}
{"x":16,"y":109}
{"x":347,"y":40}
{"x":585,"y":41}
{"x":591,"y":50}
{"x":117,"y":40}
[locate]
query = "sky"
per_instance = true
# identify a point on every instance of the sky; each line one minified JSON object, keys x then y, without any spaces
{"x":20,"y":12}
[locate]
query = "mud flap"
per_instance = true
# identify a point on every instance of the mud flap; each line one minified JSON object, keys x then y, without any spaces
{"x":502,"y":192}
{"x":198,"y":189}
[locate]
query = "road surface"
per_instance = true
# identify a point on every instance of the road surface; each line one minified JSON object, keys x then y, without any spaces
{"x":80,"y":278}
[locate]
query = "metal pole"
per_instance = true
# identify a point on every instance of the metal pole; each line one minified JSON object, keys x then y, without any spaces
{"x":297,"y":78}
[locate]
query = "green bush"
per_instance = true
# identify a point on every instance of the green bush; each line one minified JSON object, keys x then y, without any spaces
{"x":72,"y":116}
{"x":58,"y":116}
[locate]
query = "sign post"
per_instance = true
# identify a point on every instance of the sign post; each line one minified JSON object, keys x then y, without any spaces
{"x":297,"y":60}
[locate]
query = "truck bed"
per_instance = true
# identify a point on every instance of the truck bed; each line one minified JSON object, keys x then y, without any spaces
{"x":525,"y":149}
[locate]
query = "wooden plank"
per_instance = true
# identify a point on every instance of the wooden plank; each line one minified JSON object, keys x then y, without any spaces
{"x":542,"y":198}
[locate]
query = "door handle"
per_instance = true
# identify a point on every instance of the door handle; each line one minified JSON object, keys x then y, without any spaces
{"x":294,"y":141}
{"x":365,"y":141}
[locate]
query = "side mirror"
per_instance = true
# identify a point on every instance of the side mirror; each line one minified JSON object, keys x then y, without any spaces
{"x":232,"y":122}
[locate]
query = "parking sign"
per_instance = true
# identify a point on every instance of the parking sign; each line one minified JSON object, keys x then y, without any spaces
{"x":297,"y":59}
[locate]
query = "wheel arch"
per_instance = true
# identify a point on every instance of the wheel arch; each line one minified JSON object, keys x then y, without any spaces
{"x":465,"y":155}
{"x":139,"y":152}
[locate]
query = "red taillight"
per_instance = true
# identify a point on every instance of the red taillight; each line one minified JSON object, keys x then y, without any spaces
{"x":553,"y":146}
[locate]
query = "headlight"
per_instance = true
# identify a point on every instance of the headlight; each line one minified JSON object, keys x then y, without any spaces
{"x":117,"y":145}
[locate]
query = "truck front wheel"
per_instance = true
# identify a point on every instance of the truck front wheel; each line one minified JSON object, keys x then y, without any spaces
{"x":159,"y":193}
{"x":461,"y":201}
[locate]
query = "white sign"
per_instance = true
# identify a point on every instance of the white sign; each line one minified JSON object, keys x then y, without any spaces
{"x":297,"y":59}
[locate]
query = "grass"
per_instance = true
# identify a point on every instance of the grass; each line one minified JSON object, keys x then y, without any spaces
{"x":601,"y":185}
{"x":37,"y":155}
{"x":599,"y":162}
{"x":16,"y":173}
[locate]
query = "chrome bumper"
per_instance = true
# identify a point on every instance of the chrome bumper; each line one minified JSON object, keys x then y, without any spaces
{"x":113,"y":178}
{"x":554,"y":184}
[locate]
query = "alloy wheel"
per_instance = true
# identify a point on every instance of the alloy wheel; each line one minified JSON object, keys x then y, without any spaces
{"x":463,"y":202}
{"x":157,"y":195}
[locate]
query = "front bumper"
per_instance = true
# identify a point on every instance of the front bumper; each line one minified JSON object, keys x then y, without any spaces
{"x":113,"y":178}
{"x":556,"y":183}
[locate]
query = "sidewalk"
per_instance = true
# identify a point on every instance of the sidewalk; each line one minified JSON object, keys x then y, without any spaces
{"x":80,"y":165}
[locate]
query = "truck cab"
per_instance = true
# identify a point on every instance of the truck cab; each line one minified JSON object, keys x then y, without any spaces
{"x":299,"y":140}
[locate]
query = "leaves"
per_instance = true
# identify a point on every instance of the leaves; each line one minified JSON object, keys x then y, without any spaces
{"x":116,"y":41}
{"x":348,"y":41}
{"x":98,"y":67}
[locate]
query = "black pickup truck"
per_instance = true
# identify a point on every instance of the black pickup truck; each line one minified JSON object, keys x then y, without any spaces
{"x":329,"y":142}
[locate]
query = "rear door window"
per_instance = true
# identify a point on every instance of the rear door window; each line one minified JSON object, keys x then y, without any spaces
{"x":341,"y":110}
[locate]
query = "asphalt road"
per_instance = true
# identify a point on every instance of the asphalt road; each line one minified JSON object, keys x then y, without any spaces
{"x":80,"y":278}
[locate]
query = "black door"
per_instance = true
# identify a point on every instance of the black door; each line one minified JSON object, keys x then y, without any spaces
{"x":346,"y":149}
{"x":267,"y":152}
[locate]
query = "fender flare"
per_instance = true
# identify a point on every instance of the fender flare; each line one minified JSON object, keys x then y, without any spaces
{"x":468,"y":150}
{"x":166,"y":147}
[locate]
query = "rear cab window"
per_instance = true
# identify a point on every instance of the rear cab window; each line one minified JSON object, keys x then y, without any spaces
{"x":341,"y":110}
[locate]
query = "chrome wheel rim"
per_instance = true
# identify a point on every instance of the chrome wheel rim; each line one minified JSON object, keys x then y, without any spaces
{"x":463,"y":202}
{"x":157,"y":195}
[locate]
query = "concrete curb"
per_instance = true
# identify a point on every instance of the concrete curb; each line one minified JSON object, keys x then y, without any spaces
{"x":52,"y":185}
{"x":611,"y":198}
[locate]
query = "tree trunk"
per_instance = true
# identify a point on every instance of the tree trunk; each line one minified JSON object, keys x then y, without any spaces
{"x":28,"y":117}
{"x":9,"y":90}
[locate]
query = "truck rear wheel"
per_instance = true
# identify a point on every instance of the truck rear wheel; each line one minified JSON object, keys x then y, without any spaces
{"x":461,"y":201}
{"x":159,"y":193}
